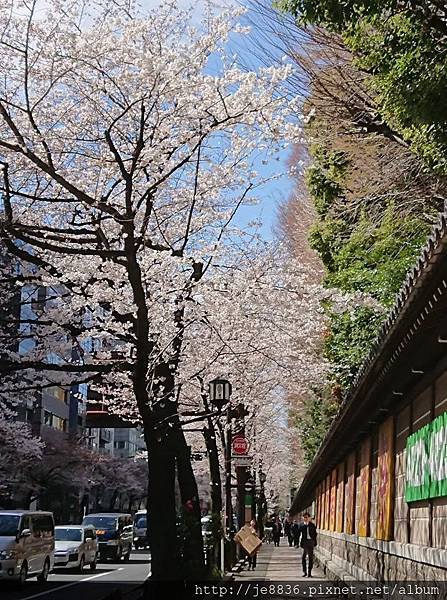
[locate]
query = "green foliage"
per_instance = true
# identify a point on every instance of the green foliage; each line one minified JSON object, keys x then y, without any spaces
{"x":376,"y":257}
{"x":333,"y":14}
{"x":369,"y":251}
{"x":326,"y":238}
{"x":408,"y":71}
{"x":349,"y":341}
{"x":402,"y":46}
{"x":368,"y":245}
{"x":324,"y":176}
{"x":314,"y":420}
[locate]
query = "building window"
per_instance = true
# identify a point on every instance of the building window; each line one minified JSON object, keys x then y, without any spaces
{"x":54,"y":421}
{"x":59,"y":423}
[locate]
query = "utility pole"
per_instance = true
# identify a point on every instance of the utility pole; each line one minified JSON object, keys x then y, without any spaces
{"x":261,"y":500}
{"x":253,"y":496}
{"x":228,"y":503}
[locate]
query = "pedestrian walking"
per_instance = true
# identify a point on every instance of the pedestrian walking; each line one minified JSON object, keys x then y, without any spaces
{"x":288,"y":530}
{"x":296,"y":533}
{"x":277,"y":531}
{"x":268,"y":532}
{"x":252,"y":560}
{"x":308,"y":541}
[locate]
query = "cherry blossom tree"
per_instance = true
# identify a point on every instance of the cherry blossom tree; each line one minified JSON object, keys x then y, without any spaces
{"x":19,"y":453}
{"x":262,"y":327}
{"x":127,"y":144}
{"x":112,"y":482}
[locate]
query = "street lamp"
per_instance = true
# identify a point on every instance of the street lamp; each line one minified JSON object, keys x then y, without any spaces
{"x":219,"y":392}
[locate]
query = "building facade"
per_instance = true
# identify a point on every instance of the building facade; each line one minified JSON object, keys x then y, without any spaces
{"x":128,"y":442}
{"x":100,"y":439}
{"x":378,"y":484}
{"x":51,"y":410}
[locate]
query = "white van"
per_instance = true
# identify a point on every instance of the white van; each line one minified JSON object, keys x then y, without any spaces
{"x":26,"y":544}
{"x":75,"y":547}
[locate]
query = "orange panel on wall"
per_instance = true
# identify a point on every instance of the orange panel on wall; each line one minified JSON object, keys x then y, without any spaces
{"x":385,"y":480}
{"x":327,"y":501}
{"x":319,"y":504}
{"x":365,"y":488}
{"x":340,"y":497}
{"x":323,"y":516}
{"x":350,"y":494}
{"x":333,"y":492}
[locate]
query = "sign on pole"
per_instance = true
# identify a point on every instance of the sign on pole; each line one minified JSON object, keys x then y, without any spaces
{"x":240,"y":445}
{"x":242,"y":460}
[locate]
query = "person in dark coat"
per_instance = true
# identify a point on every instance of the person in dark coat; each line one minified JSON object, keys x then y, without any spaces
{"x":308,"y":541}
{"x":277,"y":531}
{"x":296,"y":533}
{"x":288,"y":530}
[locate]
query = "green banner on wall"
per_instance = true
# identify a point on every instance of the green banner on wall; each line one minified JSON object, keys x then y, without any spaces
{"x":426,"y":462}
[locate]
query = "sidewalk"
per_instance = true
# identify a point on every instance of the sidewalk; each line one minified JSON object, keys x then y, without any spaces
{"x":278,"y":564}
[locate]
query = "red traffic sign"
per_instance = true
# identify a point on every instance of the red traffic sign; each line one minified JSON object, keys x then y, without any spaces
{"x":240,"y":445}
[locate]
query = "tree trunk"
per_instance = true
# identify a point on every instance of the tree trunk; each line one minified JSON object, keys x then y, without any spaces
{"x":156,"y":409}
{"x":209,"y":433}
{"x":161,"y":509}
{"x":113,"y":500}
{"x":193,"y":556}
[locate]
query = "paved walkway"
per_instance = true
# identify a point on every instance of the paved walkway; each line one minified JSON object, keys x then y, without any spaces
{"x":278,"y":564}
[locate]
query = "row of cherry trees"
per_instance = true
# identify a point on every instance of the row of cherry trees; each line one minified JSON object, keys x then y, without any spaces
{"x":65,"y":476}
{"x":128,"y":143}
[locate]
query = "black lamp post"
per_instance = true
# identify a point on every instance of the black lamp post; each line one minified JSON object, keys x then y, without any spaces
{"x":220,"y":393}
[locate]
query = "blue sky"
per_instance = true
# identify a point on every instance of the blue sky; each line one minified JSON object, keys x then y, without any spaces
{"x":275,"y":192}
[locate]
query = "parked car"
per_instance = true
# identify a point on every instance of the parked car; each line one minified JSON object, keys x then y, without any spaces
{"x":26,"y":545}
{"x":75,"y":546}
{"x":114,"y":532}
{"x":140,"y":535}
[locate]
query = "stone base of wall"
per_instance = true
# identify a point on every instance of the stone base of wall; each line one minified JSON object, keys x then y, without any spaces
{"x":350,"y":557}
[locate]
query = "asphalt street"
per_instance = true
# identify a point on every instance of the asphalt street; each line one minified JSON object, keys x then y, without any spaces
{"x":65,"y":584}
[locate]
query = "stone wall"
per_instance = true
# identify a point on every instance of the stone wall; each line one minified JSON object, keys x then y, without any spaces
{"x":347,"y":557}
{"x":417,"y":550}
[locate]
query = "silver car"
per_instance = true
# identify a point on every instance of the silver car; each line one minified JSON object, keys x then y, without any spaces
{"x":26,"y":545}
{"x":140,"y":537}
{"x":75,"y":547}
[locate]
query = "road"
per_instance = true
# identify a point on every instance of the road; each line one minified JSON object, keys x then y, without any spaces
{"x":90,"y":585}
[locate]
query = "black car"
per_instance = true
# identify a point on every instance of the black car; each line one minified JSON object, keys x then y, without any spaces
{"x":114,"y":532}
